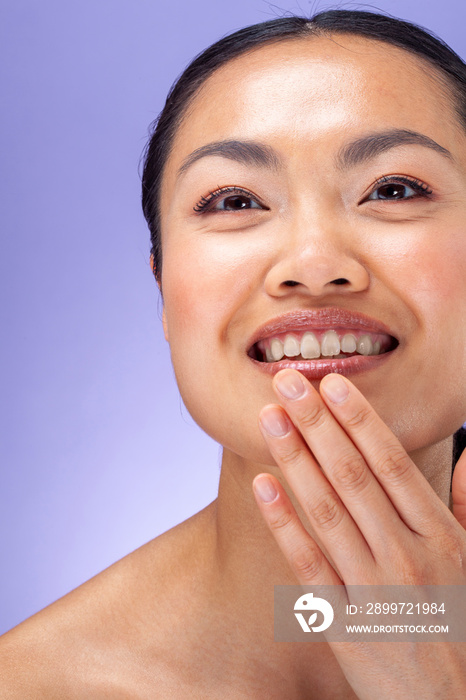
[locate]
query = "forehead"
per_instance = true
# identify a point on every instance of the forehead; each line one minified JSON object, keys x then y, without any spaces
{"x":317,"y":89}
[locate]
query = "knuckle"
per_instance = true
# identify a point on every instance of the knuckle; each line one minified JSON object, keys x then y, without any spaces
{"x":307,"y":563}
{"x":313,"y":417}
{"x":351,"y":472}
{"x":328,"y":512}
{"x":449,"y":547}
{"x":410,"y":571}
{"x":414,"y":577}
{"x":363,"y":417}
{"x":415,"y":574}
{"x":395,"y":466}
{"x":414,"y":569}
{"x":281,"y":520}
{"x":291,"y":455}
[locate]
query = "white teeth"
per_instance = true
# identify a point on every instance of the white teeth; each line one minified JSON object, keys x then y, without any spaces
{"x":276,"y":348}
{"x":310,"y":347}
{"x":291,"y":347}
{"x":330,"y":344}
{"x":348,"y":343}
{"x":364,"y":345}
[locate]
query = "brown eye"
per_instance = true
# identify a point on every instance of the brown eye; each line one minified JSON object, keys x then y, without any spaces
{"x":236,"y":202}
{"x":399,"y":188}
{"x":228,"y":199}
{"x":393,"y":190}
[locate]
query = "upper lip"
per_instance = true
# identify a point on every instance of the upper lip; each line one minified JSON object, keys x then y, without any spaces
{"x":307,"y":319}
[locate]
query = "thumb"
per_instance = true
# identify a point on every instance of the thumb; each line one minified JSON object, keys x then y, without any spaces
{"x":458,"y":490}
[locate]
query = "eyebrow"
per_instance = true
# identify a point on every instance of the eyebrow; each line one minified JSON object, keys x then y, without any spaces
{"x":372,"y":145}
{"x":247,"y":152}
{"x":350,"y":155}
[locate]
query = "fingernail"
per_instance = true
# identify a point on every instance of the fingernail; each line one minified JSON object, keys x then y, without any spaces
{"x":335,"y":388}
{"x":290,"y":385}
{"x":265,"y":489}
{"x":274,"y":422}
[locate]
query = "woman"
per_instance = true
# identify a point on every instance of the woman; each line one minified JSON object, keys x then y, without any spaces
{"x":305,"y":191}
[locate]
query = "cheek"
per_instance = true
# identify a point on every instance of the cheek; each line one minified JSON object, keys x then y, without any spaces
{"x":206,"y":284}
{"x":439,"y":283}
{"x":192,"y":289}
{"x":425,"y":267}
{"x":444,"y":261}
{"x":207,"y":280}
{"x":422,"y":397}
{"x":434,"y":284}
{"x":210,"y":296}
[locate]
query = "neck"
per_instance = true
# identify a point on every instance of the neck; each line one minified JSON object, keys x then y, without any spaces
{"x":241,"y":531}
{"x":435,"y":462}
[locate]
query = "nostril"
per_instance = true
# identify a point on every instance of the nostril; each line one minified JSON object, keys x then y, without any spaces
{"x":290,"y":283}
{"x":340,"y":280}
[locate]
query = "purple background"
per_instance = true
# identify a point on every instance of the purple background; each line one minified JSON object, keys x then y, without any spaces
{"x":98,"y":454}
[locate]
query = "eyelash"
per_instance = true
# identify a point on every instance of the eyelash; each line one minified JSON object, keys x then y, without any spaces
{"x":418,"y":186}
{"x":215,"y":195}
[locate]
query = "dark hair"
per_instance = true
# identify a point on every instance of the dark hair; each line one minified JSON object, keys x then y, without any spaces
{"x":450,"y":71}
{"x":459,"y":444}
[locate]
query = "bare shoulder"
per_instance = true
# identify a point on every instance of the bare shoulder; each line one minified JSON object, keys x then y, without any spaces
{"x":115,"y":636}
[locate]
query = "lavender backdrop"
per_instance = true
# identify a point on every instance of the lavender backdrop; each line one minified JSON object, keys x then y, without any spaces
{"x":97,"y":453}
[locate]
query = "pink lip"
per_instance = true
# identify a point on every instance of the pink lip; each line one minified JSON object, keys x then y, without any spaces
{"x":321,"y":319}
{"x":309,"y":319}
{"x":317,"y":369}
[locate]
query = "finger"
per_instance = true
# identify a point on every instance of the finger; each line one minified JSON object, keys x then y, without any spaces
{"x":458,"y":490}
{"x":409,"y":491}
{"x":304,"y":556}
{"x":342,"y":463}
{"x":328,"y":516}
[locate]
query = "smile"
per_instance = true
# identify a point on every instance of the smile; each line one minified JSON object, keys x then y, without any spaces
{"x":314,"y":345}
{"x":320,"y":341}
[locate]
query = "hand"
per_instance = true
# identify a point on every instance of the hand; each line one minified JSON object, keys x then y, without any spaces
{"x":376,"y":517}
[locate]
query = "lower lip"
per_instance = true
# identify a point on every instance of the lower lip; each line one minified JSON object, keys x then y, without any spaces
{"x":317,"y":369}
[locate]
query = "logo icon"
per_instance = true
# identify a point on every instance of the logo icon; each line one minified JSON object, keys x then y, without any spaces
{"x":308,"y":603}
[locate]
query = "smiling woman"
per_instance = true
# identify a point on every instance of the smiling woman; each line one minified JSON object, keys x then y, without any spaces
{"x":305,"y":189}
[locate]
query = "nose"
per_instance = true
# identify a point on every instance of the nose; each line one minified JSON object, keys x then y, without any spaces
{"x":317,"y":260}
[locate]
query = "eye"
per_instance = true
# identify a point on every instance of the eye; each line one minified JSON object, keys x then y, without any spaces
{"x":398,"y":188}
{"x":228,"y":199}
{"x":393,"y":191}
{"x":235,"y":203}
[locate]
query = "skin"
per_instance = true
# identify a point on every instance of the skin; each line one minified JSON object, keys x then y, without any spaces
{"x":306,"y":106}
{"x":344,"y":482}
{"x":224,"y":275}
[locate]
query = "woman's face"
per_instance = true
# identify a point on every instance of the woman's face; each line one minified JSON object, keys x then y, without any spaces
{"x":332,"y":217}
